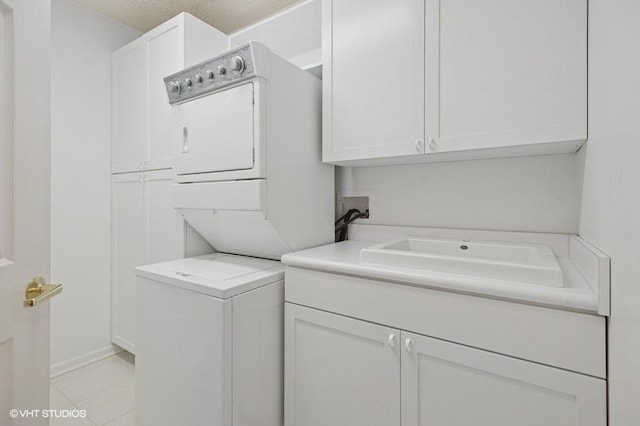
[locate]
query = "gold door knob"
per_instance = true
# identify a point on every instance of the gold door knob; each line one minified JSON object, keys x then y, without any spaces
{"x":39,"y":291}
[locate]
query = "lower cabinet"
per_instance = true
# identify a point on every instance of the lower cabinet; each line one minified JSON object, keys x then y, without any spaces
{"x":449,"y":384}
{"x":145,"y":229}
{"x":344,"y":371}
{"x":340,"y":371}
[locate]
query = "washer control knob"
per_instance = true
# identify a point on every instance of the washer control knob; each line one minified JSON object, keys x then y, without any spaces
{"x":198,"y":79}
{"x":175,"y":87}
{"x":210,"y":74}
{"x":221,"y":70}
{"x":237,"y":63}
{"x":188,"y":83}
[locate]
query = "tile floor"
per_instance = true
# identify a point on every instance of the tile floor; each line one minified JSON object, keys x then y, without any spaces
{"x":105,"y":390}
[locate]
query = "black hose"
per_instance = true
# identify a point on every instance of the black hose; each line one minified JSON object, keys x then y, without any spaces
{"x":346,"y":219}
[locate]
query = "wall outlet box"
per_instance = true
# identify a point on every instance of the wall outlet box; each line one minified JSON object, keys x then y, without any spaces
{"x":360,"y":202}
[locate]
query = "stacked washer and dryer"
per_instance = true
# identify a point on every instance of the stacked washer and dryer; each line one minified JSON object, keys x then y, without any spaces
{"x":250,"y":180}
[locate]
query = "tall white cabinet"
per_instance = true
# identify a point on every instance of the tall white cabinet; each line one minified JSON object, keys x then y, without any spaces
{"x":145,"y":227}
{"x":431,"y":80}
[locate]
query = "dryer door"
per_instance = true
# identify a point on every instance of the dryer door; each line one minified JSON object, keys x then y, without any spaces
{"x":215,"y":133}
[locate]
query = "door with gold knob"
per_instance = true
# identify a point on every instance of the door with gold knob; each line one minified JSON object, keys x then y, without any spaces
{"x":24,"y":210}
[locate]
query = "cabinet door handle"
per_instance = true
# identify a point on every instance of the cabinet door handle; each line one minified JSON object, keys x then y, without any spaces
{"x":392,"y":340}
{"x":407,"y":344}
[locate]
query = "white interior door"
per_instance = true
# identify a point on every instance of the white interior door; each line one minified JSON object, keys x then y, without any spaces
{"x":24,"y":205}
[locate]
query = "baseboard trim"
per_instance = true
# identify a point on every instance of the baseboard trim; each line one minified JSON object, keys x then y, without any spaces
{"x":82,"y":360}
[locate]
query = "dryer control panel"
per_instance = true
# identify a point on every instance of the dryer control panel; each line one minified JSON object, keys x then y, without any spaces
{"x":211,"y":75}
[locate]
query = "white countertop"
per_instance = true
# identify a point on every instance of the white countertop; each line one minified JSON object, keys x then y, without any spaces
{"x":344,"y":258}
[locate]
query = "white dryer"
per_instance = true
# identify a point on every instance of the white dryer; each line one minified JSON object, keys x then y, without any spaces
{"x":250,"y":180}
{"x":248,"y":162}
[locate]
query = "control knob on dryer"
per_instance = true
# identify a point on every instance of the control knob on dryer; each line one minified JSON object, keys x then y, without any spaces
{"x":237,"y":63}
{"x":175,"y":87}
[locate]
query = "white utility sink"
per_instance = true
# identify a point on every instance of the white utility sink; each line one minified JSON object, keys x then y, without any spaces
{"x":527,"y":263}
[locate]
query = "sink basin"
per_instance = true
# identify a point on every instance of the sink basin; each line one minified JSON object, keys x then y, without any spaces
{"x":527,"y":263}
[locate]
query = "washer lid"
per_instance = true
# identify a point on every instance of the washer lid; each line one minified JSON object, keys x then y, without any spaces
{"x":219,"y":275}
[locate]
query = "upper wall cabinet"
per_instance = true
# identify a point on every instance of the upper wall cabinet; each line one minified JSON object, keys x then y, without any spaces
{"x":141,"y":111}
{"x":373,"y":79}
{"x":497,"y":78}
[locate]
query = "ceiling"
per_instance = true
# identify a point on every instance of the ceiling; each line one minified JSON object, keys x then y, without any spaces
{"x":225,"y":15}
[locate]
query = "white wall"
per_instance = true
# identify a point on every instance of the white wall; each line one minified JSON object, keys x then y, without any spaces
{"x":293,"y":33}
{"x":82,"y":42}
{"x":537,"y":194}
{"x":610,"y":216}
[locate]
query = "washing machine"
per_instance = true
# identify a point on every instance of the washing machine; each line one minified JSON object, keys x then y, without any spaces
{"x":209,"y":342}
{"x":209,"y":339}
{"x":249,"y":178}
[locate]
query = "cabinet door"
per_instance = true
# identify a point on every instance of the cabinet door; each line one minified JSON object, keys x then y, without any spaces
{"x":166,"y":56}
{"x":506,"y":73}
{"x":128,"y":251}
{"x":339,"y":371}
{"x":129,"y":107}
{"x":448,"y":384}
{"x":165,"y":227}
{"x":373,"y":82}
